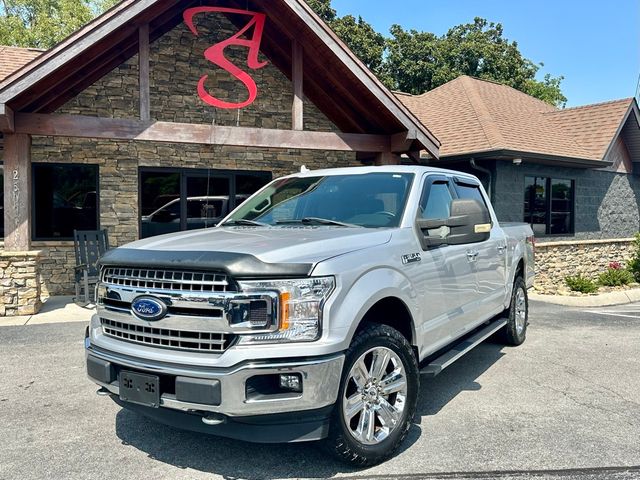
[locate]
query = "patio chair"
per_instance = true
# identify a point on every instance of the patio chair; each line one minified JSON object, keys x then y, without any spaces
{"x":89,"y":247}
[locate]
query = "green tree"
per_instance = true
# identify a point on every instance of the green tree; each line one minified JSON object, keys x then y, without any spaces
{"x":44,"y":23}
{"x":359,"y":36}
{"x":421,"y":61}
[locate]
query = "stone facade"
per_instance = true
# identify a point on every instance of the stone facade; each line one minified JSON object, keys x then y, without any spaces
{"x":589,"y":258}
{"x":607,"y":204}
{"x":176,"y":65}
{"x":20,"y":283}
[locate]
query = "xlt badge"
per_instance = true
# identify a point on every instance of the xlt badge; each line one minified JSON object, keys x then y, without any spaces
{"x":411,"y":258}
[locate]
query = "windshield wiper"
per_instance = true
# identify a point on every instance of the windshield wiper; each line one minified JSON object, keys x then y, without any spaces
{"x":316,"y":221}
{"x":244,"y":221}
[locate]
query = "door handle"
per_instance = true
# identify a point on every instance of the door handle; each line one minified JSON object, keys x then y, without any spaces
{"x":472,"y":256}
{"x":502,"y":249}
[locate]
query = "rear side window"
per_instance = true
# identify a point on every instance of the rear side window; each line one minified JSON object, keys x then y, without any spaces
{"x":437,"y":203}
{"x":467,"y":191}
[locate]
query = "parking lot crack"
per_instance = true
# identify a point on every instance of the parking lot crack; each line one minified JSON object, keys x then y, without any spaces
{"x":591,"y":406}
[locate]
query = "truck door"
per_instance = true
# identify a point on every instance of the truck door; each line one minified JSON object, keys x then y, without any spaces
{"x":489,"y":259}
{"x":448,"y":276}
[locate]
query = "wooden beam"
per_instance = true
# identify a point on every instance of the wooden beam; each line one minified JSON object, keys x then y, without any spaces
{"x":125,"y":129}
{"x":402,"y":142}
{"x":297,"y":111}
{"x":17,"y":192}
{"x":143,"y":61}
{"x":6,"y":119}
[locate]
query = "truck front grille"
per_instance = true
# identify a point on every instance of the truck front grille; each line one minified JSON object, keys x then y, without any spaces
{"x":160,"y":279}
{"x":174,"y":339}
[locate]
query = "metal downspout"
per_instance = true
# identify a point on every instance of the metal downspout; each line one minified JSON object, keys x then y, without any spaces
{"x":486,"y":171}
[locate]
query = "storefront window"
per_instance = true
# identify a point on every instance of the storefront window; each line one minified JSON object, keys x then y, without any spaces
{"x":549,"y":205}
{"x":160,"y":204}
{"x":65,"y":198}
{"x":172,"y":200}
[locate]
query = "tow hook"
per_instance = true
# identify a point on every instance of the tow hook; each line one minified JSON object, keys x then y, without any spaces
{"x":213,"y":419}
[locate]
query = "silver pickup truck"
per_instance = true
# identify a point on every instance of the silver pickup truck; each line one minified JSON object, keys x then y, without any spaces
{"x":313,"y":309}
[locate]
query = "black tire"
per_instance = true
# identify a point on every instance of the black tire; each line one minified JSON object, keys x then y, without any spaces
{"x":341,"y":442}
{"x":515,"y":332}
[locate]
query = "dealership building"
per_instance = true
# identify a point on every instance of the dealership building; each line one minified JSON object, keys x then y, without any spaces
{"x":163,"y":116}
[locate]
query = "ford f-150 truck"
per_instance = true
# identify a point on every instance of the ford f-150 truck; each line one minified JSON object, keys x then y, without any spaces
{"x":313,"y":309}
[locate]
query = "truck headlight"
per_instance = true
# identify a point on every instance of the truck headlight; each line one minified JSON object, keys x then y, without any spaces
{"x":300,"y":315}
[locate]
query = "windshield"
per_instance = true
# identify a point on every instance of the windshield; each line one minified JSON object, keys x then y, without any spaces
{"x":372,"y":200}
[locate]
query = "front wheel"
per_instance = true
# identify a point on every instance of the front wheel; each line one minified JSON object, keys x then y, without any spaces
{"x":377,"y":398}
{"x":515,"y":332}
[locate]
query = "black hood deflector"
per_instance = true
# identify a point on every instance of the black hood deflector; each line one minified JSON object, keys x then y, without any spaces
{"x":237,"y":265}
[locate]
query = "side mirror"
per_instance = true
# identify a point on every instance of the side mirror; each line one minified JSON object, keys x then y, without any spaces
{"x":470,"y":222}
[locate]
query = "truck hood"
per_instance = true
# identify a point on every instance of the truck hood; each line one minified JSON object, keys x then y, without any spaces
{"x":270,"y":245}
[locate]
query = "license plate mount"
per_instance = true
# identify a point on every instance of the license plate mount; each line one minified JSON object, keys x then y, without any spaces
{"x":140,"y":389}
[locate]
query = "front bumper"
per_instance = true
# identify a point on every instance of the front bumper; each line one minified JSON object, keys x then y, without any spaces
{"x":233,"y":401}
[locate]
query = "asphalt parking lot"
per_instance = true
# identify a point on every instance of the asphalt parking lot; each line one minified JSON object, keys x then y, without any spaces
{"x":564,"y":405}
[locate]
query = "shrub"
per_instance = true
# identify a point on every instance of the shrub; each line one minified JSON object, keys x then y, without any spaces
{"x":578,"y":283}
{"x":634,"y":264}
{"x":615,"y":277}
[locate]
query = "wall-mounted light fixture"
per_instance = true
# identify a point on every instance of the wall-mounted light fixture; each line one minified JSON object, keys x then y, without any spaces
{"x":517,"y":161}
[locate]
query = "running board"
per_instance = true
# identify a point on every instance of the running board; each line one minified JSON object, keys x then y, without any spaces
{"x":450,"y":356}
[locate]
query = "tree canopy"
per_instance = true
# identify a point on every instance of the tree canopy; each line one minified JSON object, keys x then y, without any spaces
{"x":416,"y":62}
{"x":44,"y":23}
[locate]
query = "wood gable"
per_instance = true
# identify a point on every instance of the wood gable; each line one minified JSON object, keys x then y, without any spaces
{"x":321,"y":68}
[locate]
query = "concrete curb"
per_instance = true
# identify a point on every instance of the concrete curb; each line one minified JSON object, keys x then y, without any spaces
{"x":602,"y":300}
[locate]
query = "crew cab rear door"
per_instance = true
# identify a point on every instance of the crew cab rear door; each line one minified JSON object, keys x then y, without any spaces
{"x":448,"y":281}
{"x":488,"y":258}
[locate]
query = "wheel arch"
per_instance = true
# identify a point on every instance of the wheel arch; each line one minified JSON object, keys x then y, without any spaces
{"x":393,"y":312}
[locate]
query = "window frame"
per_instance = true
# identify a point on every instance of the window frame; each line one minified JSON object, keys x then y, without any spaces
{"x":34,"y":215}
{"x":548,"y":205}
{"x":186,"y":172}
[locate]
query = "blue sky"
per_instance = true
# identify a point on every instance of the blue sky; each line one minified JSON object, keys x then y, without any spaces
{"x":594,"y":44}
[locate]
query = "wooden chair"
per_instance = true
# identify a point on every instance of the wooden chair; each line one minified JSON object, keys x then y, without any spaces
{"x":89,"y":247}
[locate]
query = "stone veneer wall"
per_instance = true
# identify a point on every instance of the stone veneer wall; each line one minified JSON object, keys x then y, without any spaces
{"x":177,"y":63}
{"x":19,"y":283}
{"x":556,"y":260}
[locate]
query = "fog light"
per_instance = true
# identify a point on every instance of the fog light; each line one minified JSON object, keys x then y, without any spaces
{"x":291,"y":382}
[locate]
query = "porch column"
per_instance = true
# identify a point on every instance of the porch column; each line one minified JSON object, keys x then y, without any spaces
{"x":17,"y":192}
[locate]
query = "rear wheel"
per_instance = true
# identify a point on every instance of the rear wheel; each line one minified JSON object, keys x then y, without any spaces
{"x":515,"y":332}
{"x":377,"y":398}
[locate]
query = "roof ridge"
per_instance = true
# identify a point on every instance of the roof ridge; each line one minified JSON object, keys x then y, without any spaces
{"x":489,"y":129}
{"x":500,"y":84}
{"x":591,"y":105}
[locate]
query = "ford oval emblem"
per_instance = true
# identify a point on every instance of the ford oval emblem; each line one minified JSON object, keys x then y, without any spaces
{"x":150,"y":309}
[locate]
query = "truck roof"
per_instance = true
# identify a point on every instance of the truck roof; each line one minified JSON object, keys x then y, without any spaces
{"x":415,"y":169}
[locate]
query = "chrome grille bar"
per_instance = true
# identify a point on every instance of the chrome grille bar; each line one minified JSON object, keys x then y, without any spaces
{"x":161,"y":279}
{"x":160,"y":337}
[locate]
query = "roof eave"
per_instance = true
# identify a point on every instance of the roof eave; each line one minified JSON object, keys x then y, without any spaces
{"x":532,"y":157}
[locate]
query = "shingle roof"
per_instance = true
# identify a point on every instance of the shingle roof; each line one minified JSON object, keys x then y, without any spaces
{"x":469,"y":115}
{"x":14,"y":58}
{"x":593,"y":126}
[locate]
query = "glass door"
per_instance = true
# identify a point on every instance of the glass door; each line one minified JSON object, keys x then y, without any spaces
{"x":208,"y":200}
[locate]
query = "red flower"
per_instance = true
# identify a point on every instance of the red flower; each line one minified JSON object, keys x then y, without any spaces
{"x":615,"y":266}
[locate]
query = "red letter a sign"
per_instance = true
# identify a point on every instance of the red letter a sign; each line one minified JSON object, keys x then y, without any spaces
{"x":215,"y":54}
